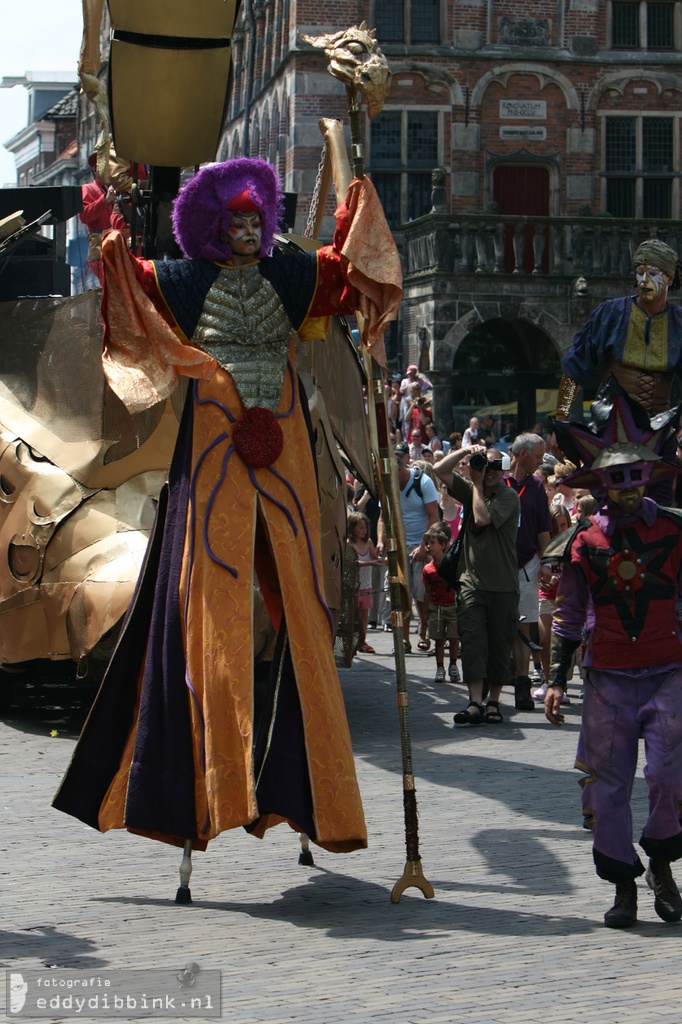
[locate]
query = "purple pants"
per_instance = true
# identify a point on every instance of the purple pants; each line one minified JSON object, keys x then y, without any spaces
{"x":618,"y":709}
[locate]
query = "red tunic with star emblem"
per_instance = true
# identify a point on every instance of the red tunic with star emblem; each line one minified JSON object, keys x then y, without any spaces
{"x":632,"y":577}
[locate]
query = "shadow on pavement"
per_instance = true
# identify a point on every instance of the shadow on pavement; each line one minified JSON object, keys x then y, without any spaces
{"x":346,"y":907}
{"x":444,"y":754}
{"x":52,"y":947}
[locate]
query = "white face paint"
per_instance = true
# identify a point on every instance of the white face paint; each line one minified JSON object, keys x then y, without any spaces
{"x":245,"y":233}
{"x":652,"y":283}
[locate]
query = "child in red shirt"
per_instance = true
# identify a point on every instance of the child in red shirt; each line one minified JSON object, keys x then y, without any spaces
{"x":440,"y":598}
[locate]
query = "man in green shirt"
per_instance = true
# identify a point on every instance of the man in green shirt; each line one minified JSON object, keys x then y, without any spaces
{"x":488,"y":578}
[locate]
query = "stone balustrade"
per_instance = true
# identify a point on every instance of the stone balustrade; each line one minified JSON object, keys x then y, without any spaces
{"x":492,"y":243}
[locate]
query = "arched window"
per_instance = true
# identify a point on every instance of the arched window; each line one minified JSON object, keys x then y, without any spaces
{"x":283,"y":137}
{"x":275,"y":130}
{"x":264,"y":150}
{"x":255,"y":137}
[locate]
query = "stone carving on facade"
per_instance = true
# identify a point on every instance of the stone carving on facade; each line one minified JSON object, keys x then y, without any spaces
{"x":525,"y":32}
{"x":438,"y":175}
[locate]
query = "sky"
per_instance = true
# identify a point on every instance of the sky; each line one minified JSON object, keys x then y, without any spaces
{"x":35,"y":35}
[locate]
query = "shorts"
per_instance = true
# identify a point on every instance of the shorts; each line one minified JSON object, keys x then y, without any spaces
{"x":443,"y":622}
{"x":528,"y":590}
{"x":364,"y":599}
{"x":547,"y":607}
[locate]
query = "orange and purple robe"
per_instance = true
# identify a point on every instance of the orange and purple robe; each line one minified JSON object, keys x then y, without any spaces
{"x":172,"y":748}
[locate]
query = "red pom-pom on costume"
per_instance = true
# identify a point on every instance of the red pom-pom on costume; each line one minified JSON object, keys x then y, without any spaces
{"x":258,"y":438}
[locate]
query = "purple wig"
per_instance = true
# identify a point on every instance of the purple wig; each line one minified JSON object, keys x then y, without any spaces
{"x":200,"y":213}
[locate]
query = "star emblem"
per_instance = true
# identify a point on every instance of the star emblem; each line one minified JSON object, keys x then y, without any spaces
{"x":630,"y":573}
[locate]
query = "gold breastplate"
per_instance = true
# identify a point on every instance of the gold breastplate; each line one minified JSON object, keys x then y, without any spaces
{"x":244,"y":326}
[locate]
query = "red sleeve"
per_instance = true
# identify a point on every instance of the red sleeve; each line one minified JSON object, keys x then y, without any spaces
{"x":333,"y":294}
{"x":96,"y":211}
{"x":118,"y":222}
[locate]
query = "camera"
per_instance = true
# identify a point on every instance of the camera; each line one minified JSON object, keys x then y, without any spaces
{"x":477,"y":461}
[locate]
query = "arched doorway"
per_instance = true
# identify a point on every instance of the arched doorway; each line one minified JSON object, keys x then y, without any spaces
{"x":508,"y":369}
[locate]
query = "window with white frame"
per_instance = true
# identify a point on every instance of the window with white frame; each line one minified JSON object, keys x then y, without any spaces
{"x":403,"y":152}
{"x":407,"y":21}
{"x":640,"y":165}
{"x":644,"y":24}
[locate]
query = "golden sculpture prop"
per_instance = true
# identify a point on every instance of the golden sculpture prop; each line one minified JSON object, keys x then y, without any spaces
{"x":94,"y":88}
{"x":356,"y":60}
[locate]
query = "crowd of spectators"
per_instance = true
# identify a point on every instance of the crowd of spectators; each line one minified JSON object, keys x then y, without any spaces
{"x":507,"y":510}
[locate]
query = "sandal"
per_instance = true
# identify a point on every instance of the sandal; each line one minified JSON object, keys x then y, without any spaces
{"x":467,"y":718}
{"x":423,"y":644}
{"x":492,"y":712}
{"x":366,"y":649}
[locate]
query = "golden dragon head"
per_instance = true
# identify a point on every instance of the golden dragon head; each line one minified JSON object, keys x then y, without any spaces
{"x":356,"y":60}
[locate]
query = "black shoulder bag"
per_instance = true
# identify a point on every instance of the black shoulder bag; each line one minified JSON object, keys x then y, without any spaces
{"x":447,"y":569}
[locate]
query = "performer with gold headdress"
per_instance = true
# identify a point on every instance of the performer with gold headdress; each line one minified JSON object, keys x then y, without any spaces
{"x":172,"y":748}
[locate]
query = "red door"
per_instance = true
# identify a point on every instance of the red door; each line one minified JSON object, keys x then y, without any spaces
{"x":523,"y":190}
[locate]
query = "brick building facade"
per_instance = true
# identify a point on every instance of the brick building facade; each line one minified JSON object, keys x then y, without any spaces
{"x":525,"y":148}
{"x":556,"y":128}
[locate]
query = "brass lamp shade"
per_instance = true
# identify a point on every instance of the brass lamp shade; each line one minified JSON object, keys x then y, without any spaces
{"x":174,"y":118}
{"x":201,"y":19}
{"x":168,"y":85}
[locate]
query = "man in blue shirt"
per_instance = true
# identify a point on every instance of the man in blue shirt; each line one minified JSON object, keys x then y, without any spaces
{"x":419,"y":507}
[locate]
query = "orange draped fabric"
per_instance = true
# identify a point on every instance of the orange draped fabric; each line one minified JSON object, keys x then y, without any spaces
{"x":218,"y":637}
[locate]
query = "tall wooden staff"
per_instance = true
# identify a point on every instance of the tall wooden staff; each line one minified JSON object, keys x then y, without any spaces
{"x":356,"y":60}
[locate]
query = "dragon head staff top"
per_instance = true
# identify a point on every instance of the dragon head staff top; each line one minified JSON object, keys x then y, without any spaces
{"x":356,"y":60}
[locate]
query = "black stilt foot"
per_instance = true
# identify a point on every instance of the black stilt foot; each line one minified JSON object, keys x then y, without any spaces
{"x":183,"y":895}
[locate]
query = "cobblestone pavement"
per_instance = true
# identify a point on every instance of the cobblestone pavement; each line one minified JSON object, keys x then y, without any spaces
{"x":514,"y":933}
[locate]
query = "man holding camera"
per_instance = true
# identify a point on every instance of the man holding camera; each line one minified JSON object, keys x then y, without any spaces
{"x":488,"y":580}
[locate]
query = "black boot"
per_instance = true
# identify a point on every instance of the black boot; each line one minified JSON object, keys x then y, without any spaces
{"x":523,"y":699}
{"x":623,"y":913}
{"x":667,"y":902}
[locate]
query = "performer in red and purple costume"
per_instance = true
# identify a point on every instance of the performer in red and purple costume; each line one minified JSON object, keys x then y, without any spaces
{"x":622,"y":576}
